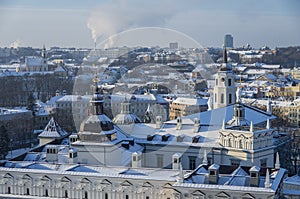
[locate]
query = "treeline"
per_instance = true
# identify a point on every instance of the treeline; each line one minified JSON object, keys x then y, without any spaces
{"x":19,"y":90}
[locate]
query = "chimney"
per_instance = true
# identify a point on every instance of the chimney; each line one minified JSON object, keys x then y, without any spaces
{"x":73,"y":158}
{"x":158,"y":122}
{"x":180,"y":177}
{"x":179,"y":123}
{"x":73,"y":138}
{"x":64,"y":92}
{"x":213,"y":175}
{"x":254,"y":176}
{"x":136,"y":160}
{"x":196,"y":125}
{"x":176,"y":161}
{"x":51,"y":153}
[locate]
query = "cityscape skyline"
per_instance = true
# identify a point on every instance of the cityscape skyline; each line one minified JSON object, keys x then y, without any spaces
{"x":80,"y":24}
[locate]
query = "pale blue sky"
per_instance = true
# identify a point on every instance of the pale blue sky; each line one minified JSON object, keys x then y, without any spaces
{"x":65,"y":22}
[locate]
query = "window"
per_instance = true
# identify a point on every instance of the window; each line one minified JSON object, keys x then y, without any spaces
{"x":85,"y":195}
{"x":263,"y":162}
{"x":222,"y":98}
{"x":126,"y":197}
{"x":66,"y":194}
{"x":8,"y":190}
{"x":212,"y":172}
{"x":230,"y":98}
{"x":159,"y":160}
{"x":27,"y":191}
{"x":46,"y":192}
{"x":253,"y":175}
{"x":147,"y":197}
{"x":235,"y":162}
{"x":106,"y":196}
{"x":240,"y":144}
{"x":175,"y":160}
{"x":192,"y":162}
{"x":215,"y":98}
{"x":229,"y":82}
{"x":216,"y":82}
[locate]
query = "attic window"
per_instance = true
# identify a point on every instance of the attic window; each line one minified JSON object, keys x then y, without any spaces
{"x":253,"y":175}
{"x":212,"y":173}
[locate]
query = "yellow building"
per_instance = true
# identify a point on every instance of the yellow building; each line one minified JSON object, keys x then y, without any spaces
{"x":187,"y":106}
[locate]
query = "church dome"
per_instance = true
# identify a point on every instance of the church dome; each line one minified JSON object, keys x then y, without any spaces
{"x":96,"y":124}
{"x":125,"y":119}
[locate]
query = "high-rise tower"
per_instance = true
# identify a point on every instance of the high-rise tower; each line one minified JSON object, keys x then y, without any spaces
{"x":228,"y":41}
{"x":224,"y":91}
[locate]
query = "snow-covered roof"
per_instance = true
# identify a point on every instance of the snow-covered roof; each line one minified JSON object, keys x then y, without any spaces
{"x":91,"y":171}
{"x":295,"y":180}
{"x":230,"y":178}
{"x":191,"y":101}
{"x":53,"y":130}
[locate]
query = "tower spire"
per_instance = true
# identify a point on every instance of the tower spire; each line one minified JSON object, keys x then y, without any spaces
{"x":225,"y":56}
{"x":97,"y":99}
{"x":277,"y":164}
{"x":267,"y":182}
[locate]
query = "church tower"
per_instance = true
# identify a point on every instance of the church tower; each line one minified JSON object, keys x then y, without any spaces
{"x":44,"y":66}
{"x":225,"y":90}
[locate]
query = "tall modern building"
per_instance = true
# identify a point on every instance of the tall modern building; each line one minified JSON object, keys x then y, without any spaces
{"x":228,"y":41}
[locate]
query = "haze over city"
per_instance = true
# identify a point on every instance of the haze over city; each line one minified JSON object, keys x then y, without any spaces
{"x":81,"y":23}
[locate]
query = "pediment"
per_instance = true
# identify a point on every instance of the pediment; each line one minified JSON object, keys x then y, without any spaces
{"x":85,"y":180}
{"x":247,"y":195}
{"x":147,"y":184}
{"x":223,"y":195}
{"x":105,"y":182}
{"x":126,"y":183}
{"x":198,"y":193}
{"x":45,"y":178}
{"x":167,"y":185}
{"x":8,"y":175}
{"x":65,"y":179}
{"x":26,"y":177}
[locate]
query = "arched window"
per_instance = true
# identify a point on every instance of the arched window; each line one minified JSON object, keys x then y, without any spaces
{"x":229,"y":142}
{"x":222,"y":98}
{"x":240,"y":144}
{"x":229,"y":82}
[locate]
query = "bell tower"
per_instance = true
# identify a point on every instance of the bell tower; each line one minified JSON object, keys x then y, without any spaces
{"x":224,"y":91}
{"x":44,"y":66}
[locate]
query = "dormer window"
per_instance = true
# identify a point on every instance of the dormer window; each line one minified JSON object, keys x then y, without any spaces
{"x":212,"y":172}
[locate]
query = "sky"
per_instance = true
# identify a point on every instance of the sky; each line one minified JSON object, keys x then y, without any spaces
{"x":77,"y":23}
